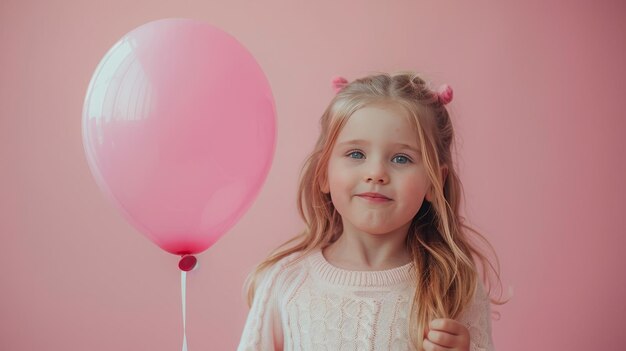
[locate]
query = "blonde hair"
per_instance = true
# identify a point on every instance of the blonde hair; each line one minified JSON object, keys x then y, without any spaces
{"x":438,"y":239}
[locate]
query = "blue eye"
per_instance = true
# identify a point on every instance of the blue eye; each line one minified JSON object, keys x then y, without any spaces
{"x":401,"y":159}
{"x":356,"y":154}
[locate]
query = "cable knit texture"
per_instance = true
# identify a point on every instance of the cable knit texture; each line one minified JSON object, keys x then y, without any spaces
{"x":308,"y":304}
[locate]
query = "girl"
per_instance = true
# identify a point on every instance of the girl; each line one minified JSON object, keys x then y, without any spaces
{"x":385,"y":261}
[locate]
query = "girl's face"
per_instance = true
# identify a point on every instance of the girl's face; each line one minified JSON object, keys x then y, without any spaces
{"x":376,"y":177}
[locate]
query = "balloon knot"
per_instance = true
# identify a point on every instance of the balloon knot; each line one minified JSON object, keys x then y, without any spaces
{"x":187,"y":263}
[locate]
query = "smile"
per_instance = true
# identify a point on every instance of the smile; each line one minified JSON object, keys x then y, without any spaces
{"x":374,"y":197}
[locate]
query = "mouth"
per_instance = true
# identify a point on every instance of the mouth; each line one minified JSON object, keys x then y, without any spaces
{"x":373,"y":196}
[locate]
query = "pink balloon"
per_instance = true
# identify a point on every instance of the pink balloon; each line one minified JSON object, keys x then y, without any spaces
{"x":179,"y":131}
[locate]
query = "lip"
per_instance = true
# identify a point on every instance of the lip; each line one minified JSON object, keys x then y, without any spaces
{"x":374,"y":197}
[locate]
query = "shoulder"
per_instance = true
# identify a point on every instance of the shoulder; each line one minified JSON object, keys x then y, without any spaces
{"x":478,"y":307}
{"x":480,"y":293}
{"x":285,"y":269}
{"x":477,"y":318}
{"x":289,"y":262}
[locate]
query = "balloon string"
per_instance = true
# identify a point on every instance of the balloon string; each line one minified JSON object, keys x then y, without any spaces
{"x":183,"y":287}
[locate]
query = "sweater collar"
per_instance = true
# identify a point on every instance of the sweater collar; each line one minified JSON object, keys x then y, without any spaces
{"x":339,"y":276}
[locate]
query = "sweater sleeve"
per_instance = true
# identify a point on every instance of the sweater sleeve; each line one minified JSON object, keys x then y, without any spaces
{"x":477,"y":319}
{"x":263,"y":330}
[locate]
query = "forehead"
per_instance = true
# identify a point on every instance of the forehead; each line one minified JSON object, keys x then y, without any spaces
{"x":380,"y":123}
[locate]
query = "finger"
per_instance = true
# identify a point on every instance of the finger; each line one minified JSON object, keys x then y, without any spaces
{"x":442,"y":339}
{"x":429,"y":346}
{"x":447,"y":325}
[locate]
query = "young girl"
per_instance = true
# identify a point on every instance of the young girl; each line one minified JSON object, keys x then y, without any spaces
{"x":385,"y":261}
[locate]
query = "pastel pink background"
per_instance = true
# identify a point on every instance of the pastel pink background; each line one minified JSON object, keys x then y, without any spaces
{"x":539,"y":101}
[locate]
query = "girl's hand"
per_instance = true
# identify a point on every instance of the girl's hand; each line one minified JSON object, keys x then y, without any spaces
{"x":446,"y":334}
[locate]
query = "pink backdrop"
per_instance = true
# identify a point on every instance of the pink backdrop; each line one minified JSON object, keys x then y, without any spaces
{"x":539,"y":101}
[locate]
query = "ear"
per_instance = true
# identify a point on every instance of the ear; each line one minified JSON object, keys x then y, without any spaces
{"x":444,"y":175}
{"x":324,"y":187}
{"x":429,"y":194}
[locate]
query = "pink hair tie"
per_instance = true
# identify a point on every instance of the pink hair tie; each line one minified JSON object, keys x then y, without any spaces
{"x":339,"y":83}
{"x":444,"y":94}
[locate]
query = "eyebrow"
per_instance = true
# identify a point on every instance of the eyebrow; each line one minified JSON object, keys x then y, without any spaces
{"x":365,"y":142}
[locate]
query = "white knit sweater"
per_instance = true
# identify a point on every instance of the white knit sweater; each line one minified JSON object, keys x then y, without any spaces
{"x":309,"y":304}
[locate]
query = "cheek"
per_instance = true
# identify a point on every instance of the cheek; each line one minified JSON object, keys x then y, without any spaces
{"x":330,"y":178}
{"x":415,"y":189}
{"x":337,"y":180}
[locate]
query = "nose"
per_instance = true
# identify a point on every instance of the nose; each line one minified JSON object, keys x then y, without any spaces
{"x":376,"y":172}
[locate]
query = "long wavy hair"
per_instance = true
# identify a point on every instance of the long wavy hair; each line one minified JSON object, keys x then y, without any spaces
{"x":441,"y":245}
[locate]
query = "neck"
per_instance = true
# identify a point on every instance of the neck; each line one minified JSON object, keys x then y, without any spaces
{"x":355,"y":250}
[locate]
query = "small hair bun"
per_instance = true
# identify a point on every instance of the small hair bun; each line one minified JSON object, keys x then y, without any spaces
{"x":445,"y":94}
{"x":339,"y":83}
